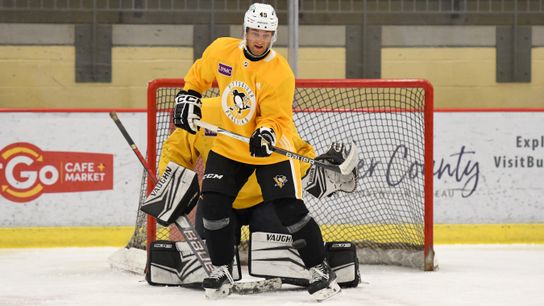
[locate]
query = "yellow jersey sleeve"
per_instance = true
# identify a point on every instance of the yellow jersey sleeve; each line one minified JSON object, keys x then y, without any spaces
{"x":180,"y":148}
{"x":303,"y":148}
{"x":184,"y":148}
{"x":276,"y":102}
{"x":202,"y":73}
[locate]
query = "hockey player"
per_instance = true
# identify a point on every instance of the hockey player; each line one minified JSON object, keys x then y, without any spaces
{"x":185,"y":148}
{"x":257,"y":89}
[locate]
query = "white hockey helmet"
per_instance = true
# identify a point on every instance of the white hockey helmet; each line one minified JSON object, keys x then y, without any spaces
{"x":261,"y":16}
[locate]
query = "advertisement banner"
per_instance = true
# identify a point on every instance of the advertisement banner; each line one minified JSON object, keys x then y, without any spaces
{"x":29,"y":172}
{"x":488,"y":167}
{"x":75,"y":169}
{"x":69,"y":169}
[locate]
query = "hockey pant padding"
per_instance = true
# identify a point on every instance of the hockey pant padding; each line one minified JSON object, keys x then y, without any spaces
{"x":218,"y":229}
{"x":294,"y":215}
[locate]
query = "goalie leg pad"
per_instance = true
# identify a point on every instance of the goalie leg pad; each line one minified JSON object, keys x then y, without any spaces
{"x":272,"y":255}
{"x":342,"y":258}
{"x":173,"y":263}
{"x":175,"y":194}
{"x":168,"y":266}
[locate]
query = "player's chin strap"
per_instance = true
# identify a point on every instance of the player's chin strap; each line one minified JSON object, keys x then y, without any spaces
{"x":345,"y":168}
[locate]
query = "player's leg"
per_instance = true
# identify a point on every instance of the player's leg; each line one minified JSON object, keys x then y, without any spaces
{"x":271,"y":251}
{"x":281,"y":185}
{"x":240,"y":217}
{"x":235,"y":226}
{"x":263,"y":218}
{"x":199,"y":226}
{"x":302,"y":226}
{"x":223,"y":178}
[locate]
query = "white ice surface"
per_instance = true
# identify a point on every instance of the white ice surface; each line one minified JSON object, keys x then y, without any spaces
{"x":468,"y":275}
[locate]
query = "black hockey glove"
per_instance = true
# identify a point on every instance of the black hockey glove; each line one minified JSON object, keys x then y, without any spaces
{"x":188,"y":108}
{"x":336,"y":154}
{"x":261,"y":142}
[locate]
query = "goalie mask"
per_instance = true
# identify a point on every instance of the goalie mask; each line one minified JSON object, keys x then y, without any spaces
{"x":261,"y":16}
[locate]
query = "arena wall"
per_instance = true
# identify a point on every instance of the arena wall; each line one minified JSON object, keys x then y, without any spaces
{"x":38,"y":63}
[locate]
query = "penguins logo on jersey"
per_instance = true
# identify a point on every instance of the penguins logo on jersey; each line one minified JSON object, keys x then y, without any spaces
{"x":238,"y":102}
{"x":280,"y":181}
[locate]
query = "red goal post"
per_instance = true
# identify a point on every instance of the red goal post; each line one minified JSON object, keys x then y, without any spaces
{"x":392,"y":122}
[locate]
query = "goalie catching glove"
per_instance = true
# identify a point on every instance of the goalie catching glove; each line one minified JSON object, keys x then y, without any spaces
{"x":187,"y":109}
{"x":261,"y":142}
{"x":320,"y":182}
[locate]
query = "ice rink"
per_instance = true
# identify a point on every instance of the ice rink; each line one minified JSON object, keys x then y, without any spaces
{"x":468,"y":275}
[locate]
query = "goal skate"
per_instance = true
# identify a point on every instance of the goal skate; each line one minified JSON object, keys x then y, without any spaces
{"x":218,"y":285}
{"x":323,"y":283}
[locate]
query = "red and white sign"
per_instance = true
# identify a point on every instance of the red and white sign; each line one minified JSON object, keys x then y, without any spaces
{"x":26,"y":172}
{"x":69,"y":168}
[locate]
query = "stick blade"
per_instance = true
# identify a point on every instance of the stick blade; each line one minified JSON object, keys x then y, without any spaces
{"x":260,"y":286}
{"x":352,"y":160}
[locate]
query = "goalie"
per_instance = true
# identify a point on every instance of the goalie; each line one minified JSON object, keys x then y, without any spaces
{"x":270,"y":240}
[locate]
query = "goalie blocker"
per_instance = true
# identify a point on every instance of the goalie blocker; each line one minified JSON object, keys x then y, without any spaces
{"x":175,"y":194}
{"x":271,"y":255}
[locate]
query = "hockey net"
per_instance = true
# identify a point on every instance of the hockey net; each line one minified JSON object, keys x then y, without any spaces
{"x":390,"y":215}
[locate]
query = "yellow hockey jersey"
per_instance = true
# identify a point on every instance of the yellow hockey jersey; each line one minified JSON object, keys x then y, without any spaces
{"x":184,"y":149}
{"x":253,"y":94}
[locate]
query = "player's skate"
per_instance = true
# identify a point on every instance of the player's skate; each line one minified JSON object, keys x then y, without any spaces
{"x":323,"y":283}
{"x":219,"y":283}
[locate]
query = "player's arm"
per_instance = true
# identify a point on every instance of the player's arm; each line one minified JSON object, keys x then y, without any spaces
{"x":200,"y":76}
{"x":276,"y":106}
{"x":275,"y":117}
{"x":197,"y":81}
{"x":176,"y":191}
{"x":179,"y":148}
{"x":303,"y":148}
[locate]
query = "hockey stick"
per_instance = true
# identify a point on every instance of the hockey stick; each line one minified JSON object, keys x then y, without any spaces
{"x":194,"y":240}
{"x":344,"y":168}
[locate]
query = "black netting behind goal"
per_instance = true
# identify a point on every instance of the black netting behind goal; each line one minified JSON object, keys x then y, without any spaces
{"x":389,"y":216}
